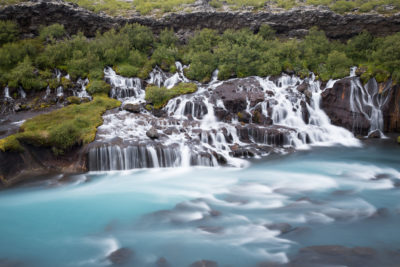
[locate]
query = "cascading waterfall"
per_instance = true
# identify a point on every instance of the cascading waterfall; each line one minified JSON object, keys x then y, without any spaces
{"x":82,"y":93}
{"x":368,"y":100}
{"x":21,"y":92}
{"x":194,"y":132}
{"x":122,"y":87}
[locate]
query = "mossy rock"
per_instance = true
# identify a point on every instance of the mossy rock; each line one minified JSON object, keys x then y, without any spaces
{"x":398,"y":139}
{"x":74,"y":100}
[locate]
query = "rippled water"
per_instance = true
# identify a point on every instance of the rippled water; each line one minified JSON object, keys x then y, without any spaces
{"x":329,"y":196}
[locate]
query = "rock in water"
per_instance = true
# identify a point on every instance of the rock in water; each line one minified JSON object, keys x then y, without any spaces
{"x":204,"y":263}
{"x":121,"y":256}
{"x":162,"y":262}
{"x":152,"y":133}
{"x":375,"y":134}
{"x":135,"y":108}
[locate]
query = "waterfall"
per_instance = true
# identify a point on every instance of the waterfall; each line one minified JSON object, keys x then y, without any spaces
{"x":7,"y":92}
{"x":122,"y":87}
{"x":368,"y":101}
{"x":203,"y":129}
{"x":59,"y":91}
{"x":106,"y":157}
{"x":48,"y":92}
{"x":21,"y":92}
{"x":82,"y":93}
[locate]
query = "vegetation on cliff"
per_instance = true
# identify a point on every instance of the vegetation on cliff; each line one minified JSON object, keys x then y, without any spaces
{"x":133,"y":50}
{"x":145,"y":7}
{"x":79,"y":126}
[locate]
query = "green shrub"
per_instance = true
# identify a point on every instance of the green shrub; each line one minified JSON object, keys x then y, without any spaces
{"x":266,"y":32}
{"x":24,"y":75}
{"x":98,"y":87}
{"x":215,"y":3}
{"x":159,"y":96}
{"x":52,"y":32}
{"x":8,"y":31}
{"x":127,"y":70}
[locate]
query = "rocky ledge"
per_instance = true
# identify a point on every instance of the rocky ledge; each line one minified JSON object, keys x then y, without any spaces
{"x":295,"y":22}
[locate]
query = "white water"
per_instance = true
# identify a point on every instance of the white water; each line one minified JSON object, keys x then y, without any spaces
{"x":369,"y":100}
{"x":192,"y":134}
{"x":82,"y":93}
{"x":7,"y":92}
{"x":21,"y":92}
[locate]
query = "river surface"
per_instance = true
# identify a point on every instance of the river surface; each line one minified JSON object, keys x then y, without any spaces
{"x":347,"y":197}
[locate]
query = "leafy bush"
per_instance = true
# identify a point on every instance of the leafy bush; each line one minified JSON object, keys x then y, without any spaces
{"x":127,"y":70}
{"x":98,"y":87}
{"x":159,"y":96}
{"x":8,"y":31}
{"x":52,"y":32}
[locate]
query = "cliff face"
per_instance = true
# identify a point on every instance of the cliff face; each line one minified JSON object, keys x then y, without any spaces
{"x":30,"y":16}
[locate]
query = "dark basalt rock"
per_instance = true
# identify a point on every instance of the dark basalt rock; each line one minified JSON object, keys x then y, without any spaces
{"x":121,"y":256}
{"x":294,"y":22}
{"x":204,"y":263}
{"x":134,"y":108}
{"x":336,"y":104}
{"x":235,"y":94}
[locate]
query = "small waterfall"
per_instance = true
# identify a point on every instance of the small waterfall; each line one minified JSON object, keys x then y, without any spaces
{"x":60,"y":91}
{"x":7,"y":92}
{"x":104,"y":158}
{"x":21,"y":92}
{"x":368,"y":100}
{"x":157,"y":77}
{"x":124,"y":87}
{"x":82,"y":93}
{"x":48,"y":92}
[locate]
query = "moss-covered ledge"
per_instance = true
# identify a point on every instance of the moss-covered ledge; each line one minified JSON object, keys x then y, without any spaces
{"x":61,"y":129}
{"x":158,"y":97}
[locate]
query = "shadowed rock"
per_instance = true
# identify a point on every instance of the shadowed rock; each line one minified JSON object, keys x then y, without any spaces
{"x":121,"y":256}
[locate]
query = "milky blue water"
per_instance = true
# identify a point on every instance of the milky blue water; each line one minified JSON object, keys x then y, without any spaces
{"x":329,"y":196}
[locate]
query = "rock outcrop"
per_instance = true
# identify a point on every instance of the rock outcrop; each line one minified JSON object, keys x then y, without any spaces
{"x":295,"y":22}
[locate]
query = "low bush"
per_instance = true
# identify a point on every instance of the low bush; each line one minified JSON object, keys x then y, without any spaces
{"x":98,"y":87}
{"x":159,"y":96}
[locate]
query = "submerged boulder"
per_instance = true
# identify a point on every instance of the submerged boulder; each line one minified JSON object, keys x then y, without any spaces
{"x":121,"y":256}
{"x":204,"y":263}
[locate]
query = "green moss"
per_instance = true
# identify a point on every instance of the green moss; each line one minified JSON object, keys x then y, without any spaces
{"x":398,"y":140}
{"x":74,"y":100}
{"x":79,"y":126}
{"x":10,"y":144}
{"x":159,"y":96}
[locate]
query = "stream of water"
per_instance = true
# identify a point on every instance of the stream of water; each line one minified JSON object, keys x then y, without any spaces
{"x":248,"y":216}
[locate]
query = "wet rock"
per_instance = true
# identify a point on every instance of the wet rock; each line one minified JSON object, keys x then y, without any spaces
{"x":215,"y":213}
{"x":302,"y":87}
{"x":244,"y":116}
{"x":18,"y":107}
{"x":335,"y":102}
{"x":235,"y":94}
{"x":121,"y":256}
{"x":380,"y":213}
{"x":281,"y":227}
{"x":396,"y":183}
{"x":152,"y":133}
{"x":375,"y":134}
{"x":296,"y":231}
{"x":331,"y":255}
{"x":134,"y":108}
{"x":211,"y":229}
{"x":162,"y":262}
{"x":204,"y":263}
